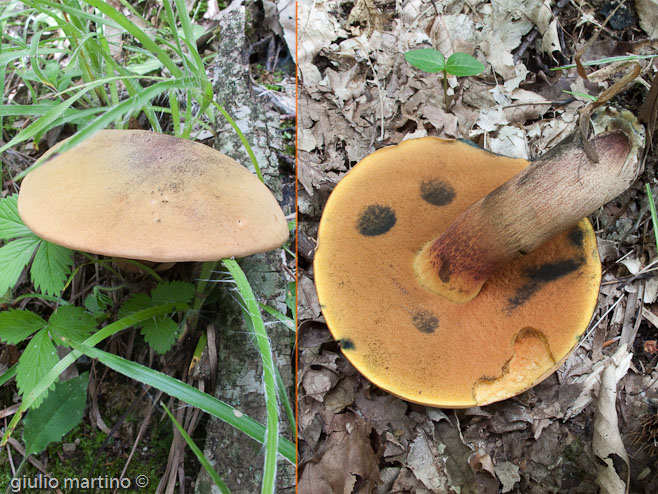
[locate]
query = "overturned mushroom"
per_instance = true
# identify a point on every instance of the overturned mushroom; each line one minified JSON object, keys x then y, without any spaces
{"x":454,"y":277}
{"x":148,"y":196}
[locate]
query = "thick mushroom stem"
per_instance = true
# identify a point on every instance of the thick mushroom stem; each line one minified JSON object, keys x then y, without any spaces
{"x":553,"y":193}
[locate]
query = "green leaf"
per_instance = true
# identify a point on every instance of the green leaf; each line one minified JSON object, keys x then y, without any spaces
{"x":13,"y":258}
{"x":175,"y":292}
{"x":38,"y":358}
{"x":135,"y":303}
{"x":59,"y":413}
{"x":11,"y":225}
{"x":16,"y":325}
{"x":97,"y":302}
{"x":72,"y":323}
{"x":44,"y":384}
{"x":462,"y":65}
{"x":160,"y":333}
{"x":51,"y":268}
{"x":426,"y":59}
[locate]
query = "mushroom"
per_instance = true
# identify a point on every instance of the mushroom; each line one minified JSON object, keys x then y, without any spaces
{"x":142,"y":195}
{"x":454,"y":277}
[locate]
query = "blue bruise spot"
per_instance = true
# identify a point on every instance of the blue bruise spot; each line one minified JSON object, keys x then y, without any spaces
{"x":375,"y":220}
{"x":437,"y":192}
{"x":425,"y":321}
{"x":540,"y":276}
{"x":346,"y":344}
{"x":576,"y":237}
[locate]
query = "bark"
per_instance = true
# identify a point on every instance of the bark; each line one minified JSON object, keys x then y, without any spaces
{"x":237,"y":458}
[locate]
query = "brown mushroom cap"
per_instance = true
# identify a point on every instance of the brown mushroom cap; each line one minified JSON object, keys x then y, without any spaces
{"x":413,"y":342}
{"x":143,"y":195}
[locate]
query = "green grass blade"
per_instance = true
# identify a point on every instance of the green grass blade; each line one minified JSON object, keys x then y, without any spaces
{"x":137,"y":33}
{"x":652,"y":207}
{"x":189,"y":394}
{"x":285,"y":400}
{"x":11,"y":55}
{"x":244,"y":140}
{"x":282,"y":318}
{"x":223,"y":488}
{"x":251,"y":310}
{"x":50,"y":116}
{"x":8,"y":374}
{"x":131,"y":104}
{"x":34,"y":46}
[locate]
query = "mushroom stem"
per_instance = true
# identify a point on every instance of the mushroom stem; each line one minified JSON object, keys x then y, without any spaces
{"x":553,"y":193}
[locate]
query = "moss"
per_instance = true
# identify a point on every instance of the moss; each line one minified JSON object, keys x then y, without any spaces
{"x":89,"y":461}
{"x":573,"y":451}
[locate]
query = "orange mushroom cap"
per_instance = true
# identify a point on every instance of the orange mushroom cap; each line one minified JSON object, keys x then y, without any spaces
{"x":414,"y":342}
{"x":143,"y":195}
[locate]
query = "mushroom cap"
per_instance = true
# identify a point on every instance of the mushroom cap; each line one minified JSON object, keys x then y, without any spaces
{"x":143,"y":195}
{"x":415,"y":343}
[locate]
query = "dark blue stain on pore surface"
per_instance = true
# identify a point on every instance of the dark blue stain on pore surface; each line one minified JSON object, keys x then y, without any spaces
{"x":576,"y":237}
{"x":346,"y":344}
{"x":437,"y":192}
{"x":540,"y":276}
{"x":375,"y":219}
{"x":425,"y":321}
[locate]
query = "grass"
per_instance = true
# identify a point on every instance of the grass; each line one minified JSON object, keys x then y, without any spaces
{"x":58,"y":69}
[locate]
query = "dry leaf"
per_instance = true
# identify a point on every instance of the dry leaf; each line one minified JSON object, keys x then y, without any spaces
{"x":508,"y":474}
{"x":309,"y":305}
{"x":607,"y":439}
{"x":425,"y":466}
{"x":620,"y":361}
{"x":347,"y":456}
{"x":647,"y":12}
{"x":511,"y":142}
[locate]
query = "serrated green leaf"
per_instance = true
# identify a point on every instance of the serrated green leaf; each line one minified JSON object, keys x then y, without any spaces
{"x":462,"y":65}
{"x":175,"y":292}
{"x":97,"y":302}
{"x":160,"y":333}
{"x":16,"y":325}
{"x":37,"y":359}
{"x":60,"y":412}
{"x":135,"y":303}
{"x":426,"y":59}
{"x":71,"y":323}
{"x":51,"y":268}
{"x":11,"y":225}
{"x":13,"y":258}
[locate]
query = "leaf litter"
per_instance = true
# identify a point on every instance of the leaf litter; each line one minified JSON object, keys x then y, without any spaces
{"x":578,"y":430}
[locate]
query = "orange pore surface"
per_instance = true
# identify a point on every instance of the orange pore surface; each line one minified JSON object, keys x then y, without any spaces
{"x":415,"y":343}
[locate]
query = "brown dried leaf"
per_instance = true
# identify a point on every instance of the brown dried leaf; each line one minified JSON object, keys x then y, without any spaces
{"x":309,"y":305}
{"x":508,"y":473}
{"x":346,"y":457}
{"x":425,"y":465}
{"x":365,"y":11}
{"x":621,"y":361}
{"x":607,"y":441}
{"x":647,"y":12}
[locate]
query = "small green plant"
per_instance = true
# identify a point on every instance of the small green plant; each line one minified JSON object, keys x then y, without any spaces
{"x":433,"y":61}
